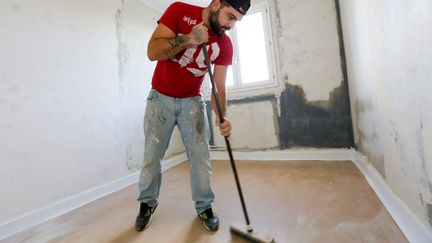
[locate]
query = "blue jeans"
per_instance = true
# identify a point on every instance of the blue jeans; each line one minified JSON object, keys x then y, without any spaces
{"x":161,"y":115}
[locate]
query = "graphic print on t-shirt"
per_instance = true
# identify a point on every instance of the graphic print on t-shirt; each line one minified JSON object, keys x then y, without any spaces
{"x":187,"y":59}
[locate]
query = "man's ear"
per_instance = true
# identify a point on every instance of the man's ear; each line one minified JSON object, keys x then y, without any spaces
{"x":216,"y":5}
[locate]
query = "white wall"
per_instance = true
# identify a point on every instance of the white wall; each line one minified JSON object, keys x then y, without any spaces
{"x":74,"y":77}
{"x":389,"y":57}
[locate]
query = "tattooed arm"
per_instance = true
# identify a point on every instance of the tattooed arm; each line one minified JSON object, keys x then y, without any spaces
{"x":165,"y":44}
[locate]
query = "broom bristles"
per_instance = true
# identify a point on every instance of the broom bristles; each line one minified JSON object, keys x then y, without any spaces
{"x":251,"y":236}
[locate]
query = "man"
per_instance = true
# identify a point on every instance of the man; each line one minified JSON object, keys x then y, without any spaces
{"x":175,"y":97}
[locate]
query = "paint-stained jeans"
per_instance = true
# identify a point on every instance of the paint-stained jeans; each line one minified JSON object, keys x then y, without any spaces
{"x":161,"y":115}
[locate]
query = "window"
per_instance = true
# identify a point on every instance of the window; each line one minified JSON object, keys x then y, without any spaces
{"x":253,"y":62}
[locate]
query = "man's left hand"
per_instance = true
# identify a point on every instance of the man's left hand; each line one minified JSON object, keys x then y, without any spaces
{"x":225,"y":127}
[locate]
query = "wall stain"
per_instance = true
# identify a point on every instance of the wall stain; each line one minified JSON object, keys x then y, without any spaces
{"x":16,"y":7}
{"x":394,"y":133}
{"x":122,"y":52}
{"x":369,"y":135}
{"x":425,"y":180}
{"x":276,"y":120}
{"x":14,"y":90}
{"x":14,"y":107}
{"x":429,"y":213}
{"x":278,"y":18}
{"x":315,"y":124}
{"x":341,"y":43}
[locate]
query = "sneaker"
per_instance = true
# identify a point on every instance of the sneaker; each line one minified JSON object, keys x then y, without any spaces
{"x":210,"y":220}
{"x":145,"y":214}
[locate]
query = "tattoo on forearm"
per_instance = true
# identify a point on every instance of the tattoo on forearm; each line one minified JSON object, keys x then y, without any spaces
{"x":175,"y":42}
{"x":179,"y":40}
{"x":197,"y":34}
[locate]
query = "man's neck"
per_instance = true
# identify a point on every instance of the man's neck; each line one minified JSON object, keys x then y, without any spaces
{"x":205,"y":17}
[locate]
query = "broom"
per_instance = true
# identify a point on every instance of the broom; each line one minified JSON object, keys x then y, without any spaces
{"x":245,"y":232}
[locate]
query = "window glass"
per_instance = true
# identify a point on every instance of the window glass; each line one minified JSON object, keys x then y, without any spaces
{"x":252,"y":49}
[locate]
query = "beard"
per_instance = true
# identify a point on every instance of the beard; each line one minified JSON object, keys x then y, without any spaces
{"x":217,"y":28}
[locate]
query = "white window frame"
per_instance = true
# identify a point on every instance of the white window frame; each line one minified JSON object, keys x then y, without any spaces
{"x":238,"y":86}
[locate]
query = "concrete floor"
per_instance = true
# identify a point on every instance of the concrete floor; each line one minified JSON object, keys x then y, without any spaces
{"x":295,"y":201}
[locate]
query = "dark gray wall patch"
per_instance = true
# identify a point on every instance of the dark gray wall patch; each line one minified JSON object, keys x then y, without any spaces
{"x":315,"y":124}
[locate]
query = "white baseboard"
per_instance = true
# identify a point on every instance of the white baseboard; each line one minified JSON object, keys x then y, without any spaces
{"x":304,"y":154}
{"x":414,"y":230}
{"x":66,"y":205}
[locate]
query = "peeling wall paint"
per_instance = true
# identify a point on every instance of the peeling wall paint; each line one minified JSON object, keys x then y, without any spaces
{"x":389,"y":60}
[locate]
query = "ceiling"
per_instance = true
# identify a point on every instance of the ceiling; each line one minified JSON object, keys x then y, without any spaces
{"x":161,"y":5}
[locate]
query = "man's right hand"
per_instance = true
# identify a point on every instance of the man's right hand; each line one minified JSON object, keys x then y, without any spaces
{"x":198,"y":35}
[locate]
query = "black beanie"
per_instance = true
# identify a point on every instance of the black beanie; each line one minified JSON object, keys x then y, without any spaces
{"x":242,"y":6}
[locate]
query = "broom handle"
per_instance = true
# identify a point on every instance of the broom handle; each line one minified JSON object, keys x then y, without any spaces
{"x":221,"y":118}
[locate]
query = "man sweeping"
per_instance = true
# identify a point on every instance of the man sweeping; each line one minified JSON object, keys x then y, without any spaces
{"x":175,"y":98}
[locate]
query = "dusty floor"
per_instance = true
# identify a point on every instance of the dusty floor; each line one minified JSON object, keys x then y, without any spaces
{"x":307,"y":201}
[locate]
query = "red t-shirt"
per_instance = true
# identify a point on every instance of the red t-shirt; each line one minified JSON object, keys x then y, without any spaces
{"x":182,"y":76}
